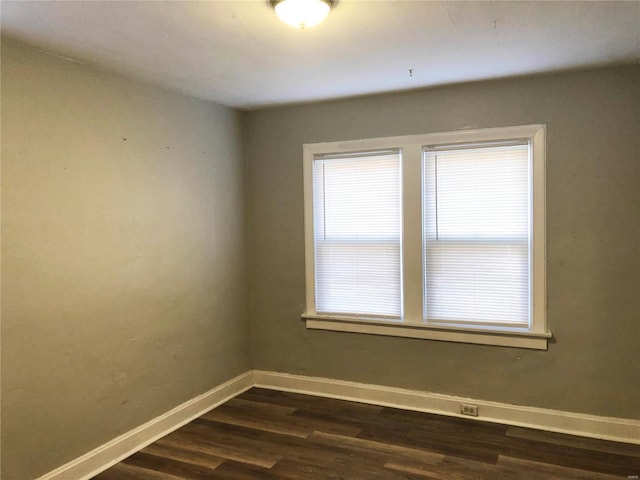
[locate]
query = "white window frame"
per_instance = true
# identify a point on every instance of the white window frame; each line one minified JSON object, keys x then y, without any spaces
{"x":412,"y":323}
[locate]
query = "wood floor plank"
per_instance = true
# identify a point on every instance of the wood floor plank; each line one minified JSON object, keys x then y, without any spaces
{"x":566,"y":456}
{"x":543,"y":471}
{"x":270,"y":446}
{"x":123,"y":471}
{"x":209,"y":431}
{"x":466,"y":468}
{"x":265,"y":407}
{"x":231,"y":470}
{"x":278,"y":422}
{"x":248,"y":409}
{"x":362,"y":469}
{"x":506,"y":468}
{"x":452,"y":445}
{"x":323,"y":422}
{"x":356,"y":419}
{"x":455,"y":468}
{"x":269,"y":435}
{"x":235,"y":431}
{"x":386,"y":449}
{"x":225,"y":429}
{"x":430,"y":471}
{"x":273,"y":426}
{"x":168,"y":466}
{"x":527,"y":449}
{"x":341,"y":468}
{"x":617,"y":448}
{"x":179,"y":454}
{"x":193,"y":443}
{"x":292,"y":449}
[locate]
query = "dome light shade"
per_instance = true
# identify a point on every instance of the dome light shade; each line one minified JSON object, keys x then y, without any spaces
{"x":302,"y":13}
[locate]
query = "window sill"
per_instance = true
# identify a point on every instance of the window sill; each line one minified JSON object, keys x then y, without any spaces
{"x":536,"y":341}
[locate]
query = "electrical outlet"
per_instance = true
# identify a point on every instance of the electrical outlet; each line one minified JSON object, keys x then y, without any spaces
{"x":467,"y":409}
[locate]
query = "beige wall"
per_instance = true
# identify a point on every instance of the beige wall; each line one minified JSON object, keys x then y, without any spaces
{"x":123,"y":266}
{"x":593,"y":225}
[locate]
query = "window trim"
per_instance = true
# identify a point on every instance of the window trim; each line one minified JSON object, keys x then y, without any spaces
{"x":412,"y":324}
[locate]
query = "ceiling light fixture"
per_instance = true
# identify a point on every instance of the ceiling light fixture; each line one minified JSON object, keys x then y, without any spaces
{"x":302,"y":13}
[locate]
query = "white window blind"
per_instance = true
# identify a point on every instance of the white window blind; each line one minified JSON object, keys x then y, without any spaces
{"x":476,"y":234}
{"x":356,"y":218}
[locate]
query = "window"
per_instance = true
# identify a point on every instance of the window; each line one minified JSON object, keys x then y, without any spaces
{"x":356,"y":214}
{"x":476,"y":234}
{"x":437,"y":236}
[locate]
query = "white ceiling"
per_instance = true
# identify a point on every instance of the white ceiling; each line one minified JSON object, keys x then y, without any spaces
{"x":239,"y":53}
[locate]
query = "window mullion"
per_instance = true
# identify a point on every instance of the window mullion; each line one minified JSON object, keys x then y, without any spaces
{"x":412,"y":233}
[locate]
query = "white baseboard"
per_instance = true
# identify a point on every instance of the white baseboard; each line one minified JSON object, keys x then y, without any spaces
{"x":103,"y":457}
{"x":604,"y":428}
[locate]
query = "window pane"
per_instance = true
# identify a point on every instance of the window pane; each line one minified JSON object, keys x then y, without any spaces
{"x":356,"y":202}
{"x":476,"y":234}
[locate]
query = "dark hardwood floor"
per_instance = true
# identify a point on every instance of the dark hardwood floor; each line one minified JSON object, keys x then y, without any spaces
{"x":265,"y":434}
